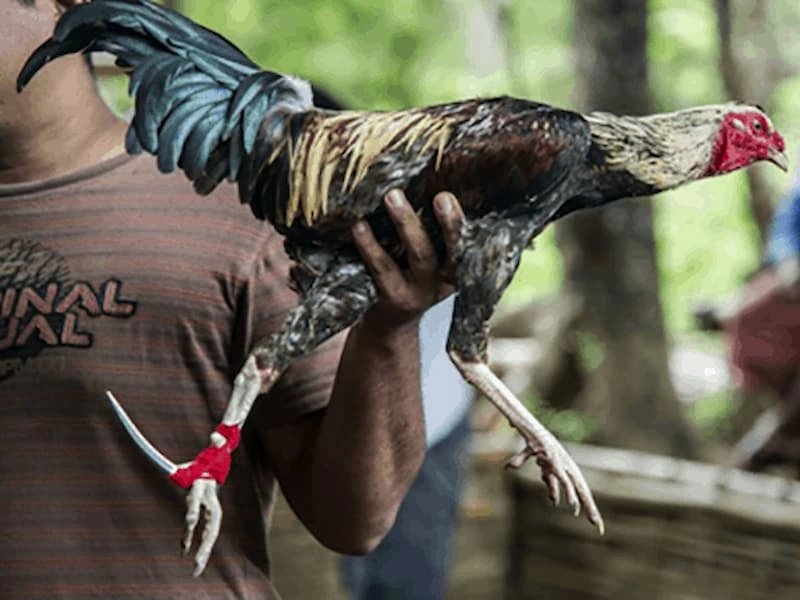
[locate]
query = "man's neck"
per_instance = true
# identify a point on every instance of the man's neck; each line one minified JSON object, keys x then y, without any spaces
{"x":57,"y":134}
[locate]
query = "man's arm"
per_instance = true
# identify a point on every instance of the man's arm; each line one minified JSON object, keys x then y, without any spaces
{"x":346,"y":469}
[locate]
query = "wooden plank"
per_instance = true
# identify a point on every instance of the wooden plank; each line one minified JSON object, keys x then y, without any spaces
{"x":675,"y":530}
{"x":660,"y":480}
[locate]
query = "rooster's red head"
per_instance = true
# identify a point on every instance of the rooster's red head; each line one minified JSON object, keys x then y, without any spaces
{"x":746,"y":136}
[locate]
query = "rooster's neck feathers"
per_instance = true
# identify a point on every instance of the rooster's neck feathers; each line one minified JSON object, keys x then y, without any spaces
{"x":663,"y":150}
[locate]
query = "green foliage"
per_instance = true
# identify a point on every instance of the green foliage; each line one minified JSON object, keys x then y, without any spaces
{"x":683,"y":52}
{"x":370,"y":54}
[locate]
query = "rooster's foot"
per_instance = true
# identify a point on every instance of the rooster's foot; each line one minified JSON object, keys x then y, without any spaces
{"x":558,"y":468}
{"x":202,"y":497}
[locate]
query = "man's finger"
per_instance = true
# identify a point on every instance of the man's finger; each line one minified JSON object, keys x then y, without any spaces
{"x":387,"y":275}
{"x":451,"y":217}
{"x":422,"y":260}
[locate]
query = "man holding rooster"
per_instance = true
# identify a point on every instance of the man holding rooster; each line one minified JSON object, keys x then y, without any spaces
{"x":165,"y":292}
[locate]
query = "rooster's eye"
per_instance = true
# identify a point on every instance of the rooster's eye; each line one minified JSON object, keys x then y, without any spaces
{"x":758,"y":127}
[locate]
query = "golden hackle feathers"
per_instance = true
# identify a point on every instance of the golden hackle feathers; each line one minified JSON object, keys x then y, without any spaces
{"x":359,"y":139}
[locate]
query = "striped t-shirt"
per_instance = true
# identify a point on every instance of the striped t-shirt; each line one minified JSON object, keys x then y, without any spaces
{"x":124,"y":279}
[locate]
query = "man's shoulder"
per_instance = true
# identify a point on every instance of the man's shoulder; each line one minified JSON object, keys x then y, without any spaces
{"x":143,"y":172}
{"x":218,"y":211}
{"x":132,"y":197}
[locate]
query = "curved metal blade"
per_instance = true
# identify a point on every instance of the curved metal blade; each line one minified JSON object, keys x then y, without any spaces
{"x":158,"y":459}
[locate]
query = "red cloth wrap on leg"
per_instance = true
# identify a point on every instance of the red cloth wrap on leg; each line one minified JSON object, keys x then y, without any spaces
{"x":212,"y":463}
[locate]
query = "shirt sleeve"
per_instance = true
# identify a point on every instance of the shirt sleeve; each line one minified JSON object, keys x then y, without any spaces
{"x":265,"y":301}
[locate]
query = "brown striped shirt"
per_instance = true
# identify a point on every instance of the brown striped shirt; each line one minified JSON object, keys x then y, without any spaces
{"x":121,"y":278}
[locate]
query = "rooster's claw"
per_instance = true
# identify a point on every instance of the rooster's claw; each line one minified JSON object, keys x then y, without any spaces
{"x":202,"y":495}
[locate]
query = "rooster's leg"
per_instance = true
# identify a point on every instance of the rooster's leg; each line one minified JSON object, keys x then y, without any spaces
{"x":486,"y":259}
{"x":335,"y":301}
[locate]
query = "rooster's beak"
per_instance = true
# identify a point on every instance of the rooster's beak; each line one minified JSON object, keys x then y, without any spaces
{"x":779,"y":159}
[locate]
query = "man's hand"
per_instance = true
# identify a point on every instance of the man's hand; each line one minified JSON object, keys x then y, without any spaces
{"x":404,"y":296}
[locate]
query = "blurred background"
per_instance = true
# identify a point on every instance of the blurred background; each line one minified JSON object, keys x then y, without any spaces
{"x":599,"y":330}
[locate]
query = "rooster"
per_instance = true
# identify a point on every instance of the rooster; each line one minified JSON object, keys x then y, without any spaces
{"x":202,"y":106}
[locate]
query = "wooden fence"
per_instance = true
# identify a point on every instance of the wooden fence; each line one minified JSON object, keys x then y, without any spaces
{"x":676,"y":530}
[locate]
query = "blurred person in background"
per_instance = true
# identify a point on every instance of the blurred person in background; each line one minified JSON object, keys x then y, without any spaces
{"x":412,"y":561}
{"x":761,"y":328}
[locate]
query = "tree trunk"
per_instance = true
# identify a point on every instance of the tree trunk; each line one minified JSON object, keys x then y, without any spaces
{"x":609,"y":254}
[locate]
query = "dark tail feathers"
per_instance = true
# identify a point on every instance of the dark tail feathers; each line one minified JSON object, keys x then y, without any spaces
{"x":138,"y":31}
{"x":199,"y":101}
